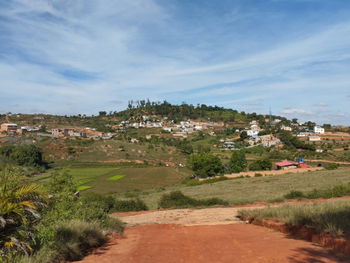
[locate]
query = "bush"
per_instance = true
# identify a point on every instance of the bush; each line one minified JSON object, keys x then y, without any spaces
{"x":74,"y":238}
{"x":130,"y":205}
{"x":294,"y":195}
{"x":177,"y":199}
{"x":258,"y":175}
{"x":260,"y":165}
{"x":237,"y":162}
{"x":205,"y":164}
{"x":331,"y":166}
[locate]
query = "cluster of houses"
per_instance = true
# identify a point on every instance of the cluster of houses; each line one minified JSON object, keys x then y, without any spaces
{"x":12,"y":128}
{"x":313,"y":136}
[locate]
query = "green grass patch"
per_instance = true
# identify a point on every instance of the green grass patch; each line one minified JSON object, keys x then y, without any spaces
{"x":115,"y":177}
{"x":83,"y":187}
{"x":331,"y":217}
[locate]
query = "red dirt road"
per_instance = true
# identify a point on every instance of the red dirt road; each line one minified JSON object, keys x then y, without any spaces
{"x":234,"y":243}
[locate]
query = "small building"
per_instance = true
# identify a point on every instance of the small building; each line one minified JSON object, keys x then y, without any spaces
{"x":318,"y":130}
{"x":286,"y":165}
{"x":314,"y":138}
{"x":9,"y":128}
{"x":286,"y":128}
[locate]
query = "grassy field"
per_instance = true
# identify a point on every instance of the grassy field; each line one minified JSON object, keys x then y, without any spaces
{"x":138,"y":179}
{"x":331,"y":217}
{"x":106,"y":180}
{"x":249,"y":190}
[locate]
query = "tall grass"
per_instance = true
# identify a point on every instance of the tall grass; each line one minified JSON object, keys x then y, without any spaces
{"x":332,"y":217}
{"x":72,"y":241}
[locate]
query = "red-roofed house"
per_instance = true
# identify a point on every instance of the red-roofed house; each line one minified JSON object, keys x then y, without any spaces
{"x":285,"y":165}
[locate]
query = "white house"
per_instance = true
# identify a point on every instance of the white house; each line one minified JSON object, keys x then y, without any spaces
{"x":314,"y":138}
{"x":319,"y":130}
{"x":286,"y":128}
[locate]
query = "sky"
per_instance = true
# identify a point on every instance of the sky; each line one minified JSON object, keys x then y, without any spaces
{"x":78,"y":56}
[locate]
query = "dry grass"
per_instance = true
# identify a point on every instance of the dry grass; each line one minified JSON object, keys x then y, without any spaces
{"x":249,"y":190}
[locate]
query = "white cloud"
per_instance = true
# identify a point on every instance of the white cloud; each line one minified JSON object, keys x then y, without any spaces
{"x":296,"y":111}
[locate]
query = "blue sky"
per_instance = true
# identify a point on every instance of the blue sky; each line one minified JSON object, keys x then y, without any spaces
{"x":78,"y":56}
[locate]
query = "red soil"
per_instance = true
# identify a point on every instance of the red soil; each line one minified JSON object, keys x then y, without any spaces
{"x":241,"y":243}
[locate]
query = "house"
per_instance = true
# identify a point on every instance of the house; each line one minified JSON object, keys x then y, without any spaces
{"x":314,"y":138}
{"x":9,"y":128}
{"x":286,"y":165}
{"x":286,"y":128}
{"x":318,"y":130}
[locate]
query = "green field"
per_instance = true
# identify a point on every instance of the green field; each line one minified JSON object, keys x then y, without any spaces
{"x":106,"y":180}
{"x":249,"y":190}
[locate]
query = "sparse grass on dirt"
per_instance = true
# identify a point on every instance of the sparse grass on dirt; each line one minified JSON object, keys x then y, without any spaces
{"x":331,"y":217}
{"x":254,"y":189}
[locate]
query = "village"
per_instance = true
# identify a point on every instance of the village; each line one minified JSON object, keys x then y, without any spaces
{"x":253,"y":134}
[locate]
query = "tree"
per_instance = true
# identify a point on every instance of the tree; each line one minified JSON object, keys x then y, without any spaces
{"x":102,"y":113}
{"x":243,"y":135}
{"x":238,"y":162}
{"x":261,"y":165}
{"x":205,"y":164}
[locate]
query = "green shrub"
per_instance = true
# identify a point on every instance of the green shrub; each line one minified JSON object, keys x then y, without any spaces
{"x":75,"y":237}
{"x":331,"y":166}
{"x":130,"y":205}
{"x":294,"y":195}
{"x":177,"y":199}
{"x":258,"y":175}
{"x":262,"y":164}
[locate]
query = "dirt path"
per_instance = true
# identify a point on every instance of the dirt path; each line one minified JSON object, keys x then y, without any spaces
{"x":205,"y":236}
{"x":326,"y":161}
{"x":238,"y":243}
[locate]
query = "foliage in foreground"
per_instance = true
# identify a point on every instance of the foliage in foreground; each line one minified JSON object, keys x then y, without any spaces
{"x":177,"y":199}
{"x":19,"y":205}
{"x":331,"y":217}
{"x":67,"y":227}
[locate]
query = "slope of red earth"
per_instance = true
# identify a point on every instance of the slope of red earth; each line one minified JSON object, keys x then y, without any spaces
{"x":241,"y":243}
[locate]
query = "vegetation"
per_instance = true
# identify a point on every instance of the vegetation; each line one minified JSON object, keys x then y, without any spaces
{"x":261,"y":164}
{"x":291,"y":141}
{"x":129,"y":205}
{"x":26,"y":155}
{"x":238,"y":162}
{"x":19,"y":206}
{"x":335,"y":191}
{"x":206,"y":165}
{"x":190,"y":181}
{"x":58,"y":229}
{"x":270,"y":188}
{"x":331,"y":217}
{"x":177,"y":199}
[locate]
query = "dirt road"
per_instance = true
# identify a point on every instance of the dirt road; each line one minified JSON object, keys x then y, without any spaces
{"x":204,"y":235}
